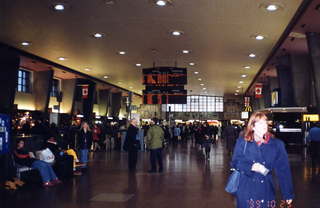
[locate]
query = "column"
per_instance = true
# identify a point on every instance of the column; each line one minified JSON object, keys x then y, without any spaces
{"x":9,"y":66}
{"x":116,"y":104}
{"x":103,"y":102}
{"x":313,"y":40}
{"x":284,"y":72}
{"x":42,"y":84}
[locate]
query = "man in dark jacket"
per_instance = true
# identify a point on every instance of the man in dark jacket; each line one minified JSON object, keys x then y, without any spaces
{"x":132,"y":145}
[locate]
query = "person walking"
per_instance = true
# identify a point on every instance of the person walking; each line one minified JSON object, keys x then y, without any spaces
{"x":132,"y":145}
{"x":255,"y":156}
{"x":155,"y":139}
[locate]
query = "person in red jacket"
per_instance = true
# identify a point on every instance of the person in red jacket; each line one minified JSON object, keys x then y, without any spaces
{"x":96,"y":133}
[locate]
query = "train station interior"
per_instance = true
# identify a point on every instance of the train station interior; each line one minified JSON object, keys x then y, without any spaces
{"x":120,"y":69}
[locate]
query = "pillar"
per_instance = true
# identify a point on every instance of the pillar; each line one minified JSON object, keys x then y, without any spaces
{"x":103,"y":102}
{"x":284,"y":73}
{"x":313,"y":40}
{"x":115,"y":104}
{"x":42,"y":84}
{"x":9,"y":66}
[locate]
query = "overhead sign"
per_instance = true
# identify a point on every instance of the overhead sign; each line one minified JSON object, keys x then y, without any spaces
{"x":165,"y":76}
{"x":258,"y":90}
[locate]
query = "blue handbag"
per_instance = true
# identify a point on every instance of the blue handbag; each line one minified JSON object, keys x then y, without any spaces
{"x":234,"y":179}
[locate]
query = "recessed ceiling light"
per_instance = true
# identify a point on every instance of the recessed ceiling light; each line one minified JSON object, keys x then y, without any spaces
{"x":59,"y":7}
{"x":204,"y":88}
{"x":205,"y":92}
{"x":201,"y":84}
{"x":247,"y":67}
{"x":122,"y":52}
{"x":87,"y":69}
{"x":236,"y":94}
{"x":252,"y":55}
{"x":272,"y":7}
{"x":237,"y":90}
{"x":138,"y":65}
{"x":240,"y":82}
{"x":62,"y":58}
{"x":161,"y":3}
{"x":106,"y":76}
{"x":191,"y":64}
{"x":98,"y":35}
{"x":185,"y":51}
{"x":244,"y":75}
{"x":25,"y":43}
{"x":119,"y":82}
{"x":199,"y":79}
{"x":176,"y":33}
{"x":130,"y":87}
{"x":196,"y":72}
{"x":239,"y":87}
{"x":259,"y":37}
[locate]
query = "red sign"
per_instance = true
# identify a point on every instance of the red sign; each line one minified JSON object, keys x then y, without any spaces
{"x":258,"y":90}
{"x":85,"y":91}
{"x":246,"y":101}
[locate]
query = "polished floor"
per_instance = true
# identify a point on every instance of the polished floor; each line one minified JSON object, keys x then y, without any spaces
{"x":189,"y":181}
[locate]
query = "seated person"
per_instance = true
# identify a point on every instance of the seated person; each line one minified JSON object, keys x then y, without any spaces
{"x":62,"y":155}
{"x":25,"y":158}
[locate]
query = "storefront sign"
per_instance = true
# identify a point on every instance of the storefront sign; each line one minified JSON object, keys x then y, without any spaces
{"x":4,"y":133}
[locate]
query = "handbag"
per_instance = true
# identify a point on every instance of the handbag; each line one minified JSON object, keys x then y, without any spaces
{"x":45,"y":155}
{"x":234,"y":179}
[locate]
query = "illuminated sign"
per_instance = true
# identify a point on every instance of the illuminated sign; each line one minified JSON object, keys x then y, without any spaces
{"x":244,"y":115}
{"x":310,"y":117}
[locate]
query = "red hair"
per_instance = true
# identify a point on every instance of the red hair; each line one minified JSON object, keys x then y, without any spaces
{"x":255,"y":117}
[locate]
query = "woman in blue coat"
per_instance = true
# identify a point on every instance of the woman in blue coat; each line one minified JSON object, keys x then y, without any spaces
{"x":256,"y":156}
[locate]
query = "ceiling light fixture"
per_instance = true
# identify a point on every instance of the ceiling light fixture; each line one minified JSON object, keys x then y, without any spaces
{"x":247,"y":67}
{"x":272,"y":7}
{"x":192,"y":64}
{"x":236,"y":94}
{"x":200,"y":79}
{"x":106,"y":76}
{"x":25,"y":43}
{"x":201,"y":84}
{"x":239,"y":87}
{"x":259,"y":37}
{"x":252,"y":55}
{"x":237,"y":90}
{"x":98,"y":35}
{"x":204,"y":88}
{"x":176,"y":33}
{"x":244,"y":75}
{"x":240,"y":82}
{"x":62,"y":58}
{"x":161,"y":3}
{"x":59,"y":7}
{"x":119,"y":82}
{"x":138,"y":65}
{"x":130,"y":87}
{"x":122,"y":52}
{"x":87,"y":69}
{"x":196,"y":72}
{"x":185,"y":51}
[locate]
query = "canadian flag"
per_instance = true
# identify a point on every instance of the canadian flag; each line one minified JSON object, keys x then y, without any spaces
{"x":85,"y":91}
{"x":258,"y":90}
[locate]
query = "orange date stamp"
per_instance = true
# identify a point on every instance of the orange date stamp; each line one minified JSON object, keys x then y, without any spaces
{"x":268,"y":204}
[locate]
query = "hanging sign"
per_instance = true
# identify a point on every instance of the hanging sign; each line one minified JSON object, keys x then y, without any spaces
{"x":85,"y":91}
{"x":258,"y":90}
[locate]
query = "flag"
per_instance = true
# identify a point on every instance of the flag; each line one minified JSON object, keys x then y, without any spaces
{"x":85,"y":91}
{"x":258,"y":90}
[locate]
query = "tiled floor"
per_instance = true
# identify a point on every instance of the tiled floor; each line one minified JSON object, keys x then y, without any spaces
{"x":188,"y":182}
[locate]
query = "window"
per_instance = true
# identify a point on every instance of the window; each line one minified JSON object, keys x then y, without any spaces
{"x":198,"y":104}
{"x":24,"y":80}
{"x":55,"y":88}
